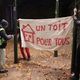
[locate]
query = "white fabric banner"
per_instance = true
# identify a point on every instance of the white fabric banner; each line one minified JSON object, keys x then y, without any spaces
{"x":46,"y":34}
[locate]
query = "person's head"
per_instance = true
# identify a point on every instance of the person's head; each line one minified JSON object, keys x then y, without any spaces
{"x":4,"y":23}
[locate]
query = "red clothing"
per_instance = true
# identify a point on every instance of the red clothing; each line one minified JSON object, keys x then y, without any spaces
{"x":26,"y":50}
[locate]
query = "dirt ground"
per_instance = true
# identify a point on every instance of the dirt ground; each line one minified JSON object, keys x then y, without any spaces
{"x":42,"y":66}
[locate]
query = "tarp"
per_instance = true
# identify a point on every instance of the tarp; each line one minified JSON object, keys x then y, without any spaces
{"x":46,"y":34}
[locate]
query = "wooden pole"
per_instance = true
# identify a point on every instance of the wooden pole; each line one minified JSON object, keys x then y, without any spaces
{"x":56,"y":15}
{"x":57,"y":9}
{"x":15,"y":32}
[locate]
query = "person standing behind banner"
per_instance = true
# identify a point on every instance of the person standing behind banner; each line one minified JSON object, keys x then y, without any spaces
{"x":77,"y":60}
{"x":3,"y":43}
{"x":23,"y":50}
{"x":77,"y":70}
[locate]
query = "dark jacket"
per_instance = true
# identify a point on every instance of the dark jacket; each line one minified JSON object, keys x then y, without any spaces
{"x":4,"y":37}
{"x":77,"y":21}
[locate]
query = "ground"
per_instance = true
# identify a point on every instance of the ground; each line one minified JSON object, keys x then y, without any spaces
{"x":42,"y":66}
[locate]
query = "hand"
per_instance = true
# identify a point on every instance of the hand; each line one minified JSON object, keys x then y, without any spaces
{"x":74,"y":17}
{"x":10,"y":36}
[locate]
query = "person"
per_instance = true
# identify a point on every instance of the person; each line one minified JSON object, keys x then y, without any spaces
{"x":3,"y":43}
{"x":77,"y":66}
{"x":77,"y":53}
{"x":23,"y":50}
